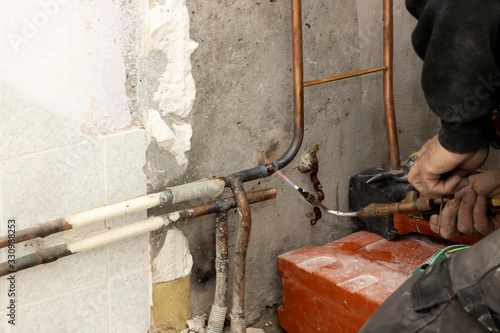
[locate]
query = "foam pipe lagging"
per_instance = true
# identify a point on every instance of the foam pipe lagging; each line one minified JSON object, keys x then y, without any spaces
{"x":216,"y":319}
{"x":207,"y":188}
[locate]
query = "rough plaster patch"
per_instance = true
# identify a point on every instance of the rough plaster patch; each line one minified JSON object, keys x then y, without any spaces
{"x":166,"y":29}
{"x":174,"y":259}
{"x":176,"y":140}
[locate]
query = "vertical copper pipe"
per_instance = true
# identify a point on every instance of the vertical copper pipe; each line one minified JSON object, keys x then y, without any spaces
{"x":238,"y":324}
{"x":298,"y":86}
{"x":390,"y":116}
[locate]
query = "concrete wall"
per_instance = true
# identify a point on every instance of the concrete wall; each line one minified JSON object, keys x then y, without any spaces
{"x":103,"y":101}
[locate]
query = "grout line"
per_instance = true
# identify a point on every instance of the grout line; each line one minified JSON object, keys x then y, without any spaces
{"x":43,"y":151}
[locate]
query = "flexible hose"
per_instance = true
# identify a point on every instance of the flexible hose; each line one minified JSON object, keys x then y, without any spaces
{"x":216,"y":319}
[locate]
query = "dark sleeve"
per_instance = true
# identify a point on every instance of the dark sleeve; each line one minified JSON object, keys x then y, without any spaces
{"x":457,"y":39}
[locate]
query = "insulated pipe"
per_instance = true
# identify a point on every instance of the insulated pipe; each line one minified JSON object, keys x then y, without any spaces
{"x":110,"y":236}
{"x":208,"y":188}
{"x":219,"y":309}
{"x":238,"y":324}
{"x":390,"y":115}
{"x":298,"y":97}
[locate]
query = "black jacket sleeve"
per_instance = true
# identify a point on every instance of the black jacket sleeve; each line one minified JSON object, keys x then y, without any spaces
{"x":458,"y":41}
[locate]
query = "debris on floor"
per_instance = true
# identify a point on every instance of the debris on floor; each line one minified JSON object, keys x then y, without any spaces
{"x":196,"y":325}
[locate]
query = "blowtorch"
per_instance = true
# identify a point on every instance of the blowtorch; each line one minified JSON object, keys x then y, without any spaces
{"x":391,"y":209}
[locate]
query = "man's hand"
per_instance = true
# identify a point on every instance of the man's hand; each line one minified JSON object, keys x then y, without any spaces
{"x":466,"y":212}
{"x":438,"y":172}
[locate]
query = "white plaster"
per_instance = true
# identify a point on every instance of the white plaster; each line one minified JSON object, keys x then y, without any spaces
{"x":174,"y":217}
{"x":169,"y":28}
{"x":174,"y":260}
{"x":176,"y":140}
{"x":166,"y":29}
{"x":66,"y":57}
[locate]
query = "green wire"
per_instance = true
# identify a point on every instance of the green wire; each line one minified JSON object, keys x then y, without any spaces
{"x":440,"y":255}
{"x":452,"y":248}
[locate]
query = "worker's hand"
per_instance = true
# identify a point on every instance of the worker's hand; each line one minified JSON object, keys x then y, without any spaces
{"x":466,"y":212}
{"x":437,"y":171}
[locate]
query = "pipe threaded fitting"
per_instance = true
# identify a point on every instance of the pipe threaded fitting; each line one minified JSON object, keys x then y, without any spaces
{"x":207,"y":188}
{"x":216,"y":319}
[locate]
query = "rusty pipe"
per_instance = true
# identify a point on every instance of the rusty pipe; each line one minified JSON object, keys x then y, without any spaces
{"x":219,"y":309}
{"x":298,"y":98}
{"x":109,"y":236}
{"x":238,"y":324}
{"x":390,"y":115}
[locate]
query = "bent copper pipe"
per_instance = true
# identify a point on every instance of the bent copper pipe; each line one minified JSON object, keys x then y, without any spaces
{"x":238,"y":324}
{"x":298,"y":97}
{"x":390,"y":115}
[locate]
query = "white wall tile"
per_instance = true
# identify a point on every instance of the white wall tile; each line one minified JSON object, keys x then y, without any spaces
{"x":129,"y":302}
{"x":124,"y":159}
{"x":83,"y":310}
{"x":130,"y":254}
{"x":64,"y":274}
{"x":28,"y":128}
{"x":52,"y":184}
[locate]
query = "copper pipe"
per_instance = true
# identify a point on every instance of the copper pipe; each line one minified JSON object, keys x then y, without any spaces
{"x":41,"y":230}
{"x":238,"y":324}
{"x":298,"y":97}
{"x":344,"y":76}
{"x":390,"y":116}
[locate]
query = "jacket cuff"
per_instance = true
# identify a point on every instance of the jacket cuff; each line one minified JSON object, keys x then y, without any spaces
{"x":463,"y":138}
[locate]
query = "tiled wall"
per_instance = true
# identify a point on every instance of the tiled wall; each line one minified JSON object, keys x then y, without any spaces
{"x":48,"y":172}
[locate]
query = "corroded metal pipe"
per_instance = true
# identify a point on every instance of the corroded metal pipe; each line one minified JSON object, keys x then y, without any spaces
{"x":206,"y":188}
{"x":390,"y":115}
{"x":238,"y":324}
{"x":110,"y":236}
{"x":219,"y":309}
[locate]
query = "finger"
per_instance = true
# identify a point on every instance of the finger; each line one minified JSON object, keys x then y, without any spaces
{"x":450,"y":185}
{"x":433,"y":222}
{"x":465,"y":222}
{"x":482,"y":223}
{"x":414,"y":176}
{"x":448,"y":224}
